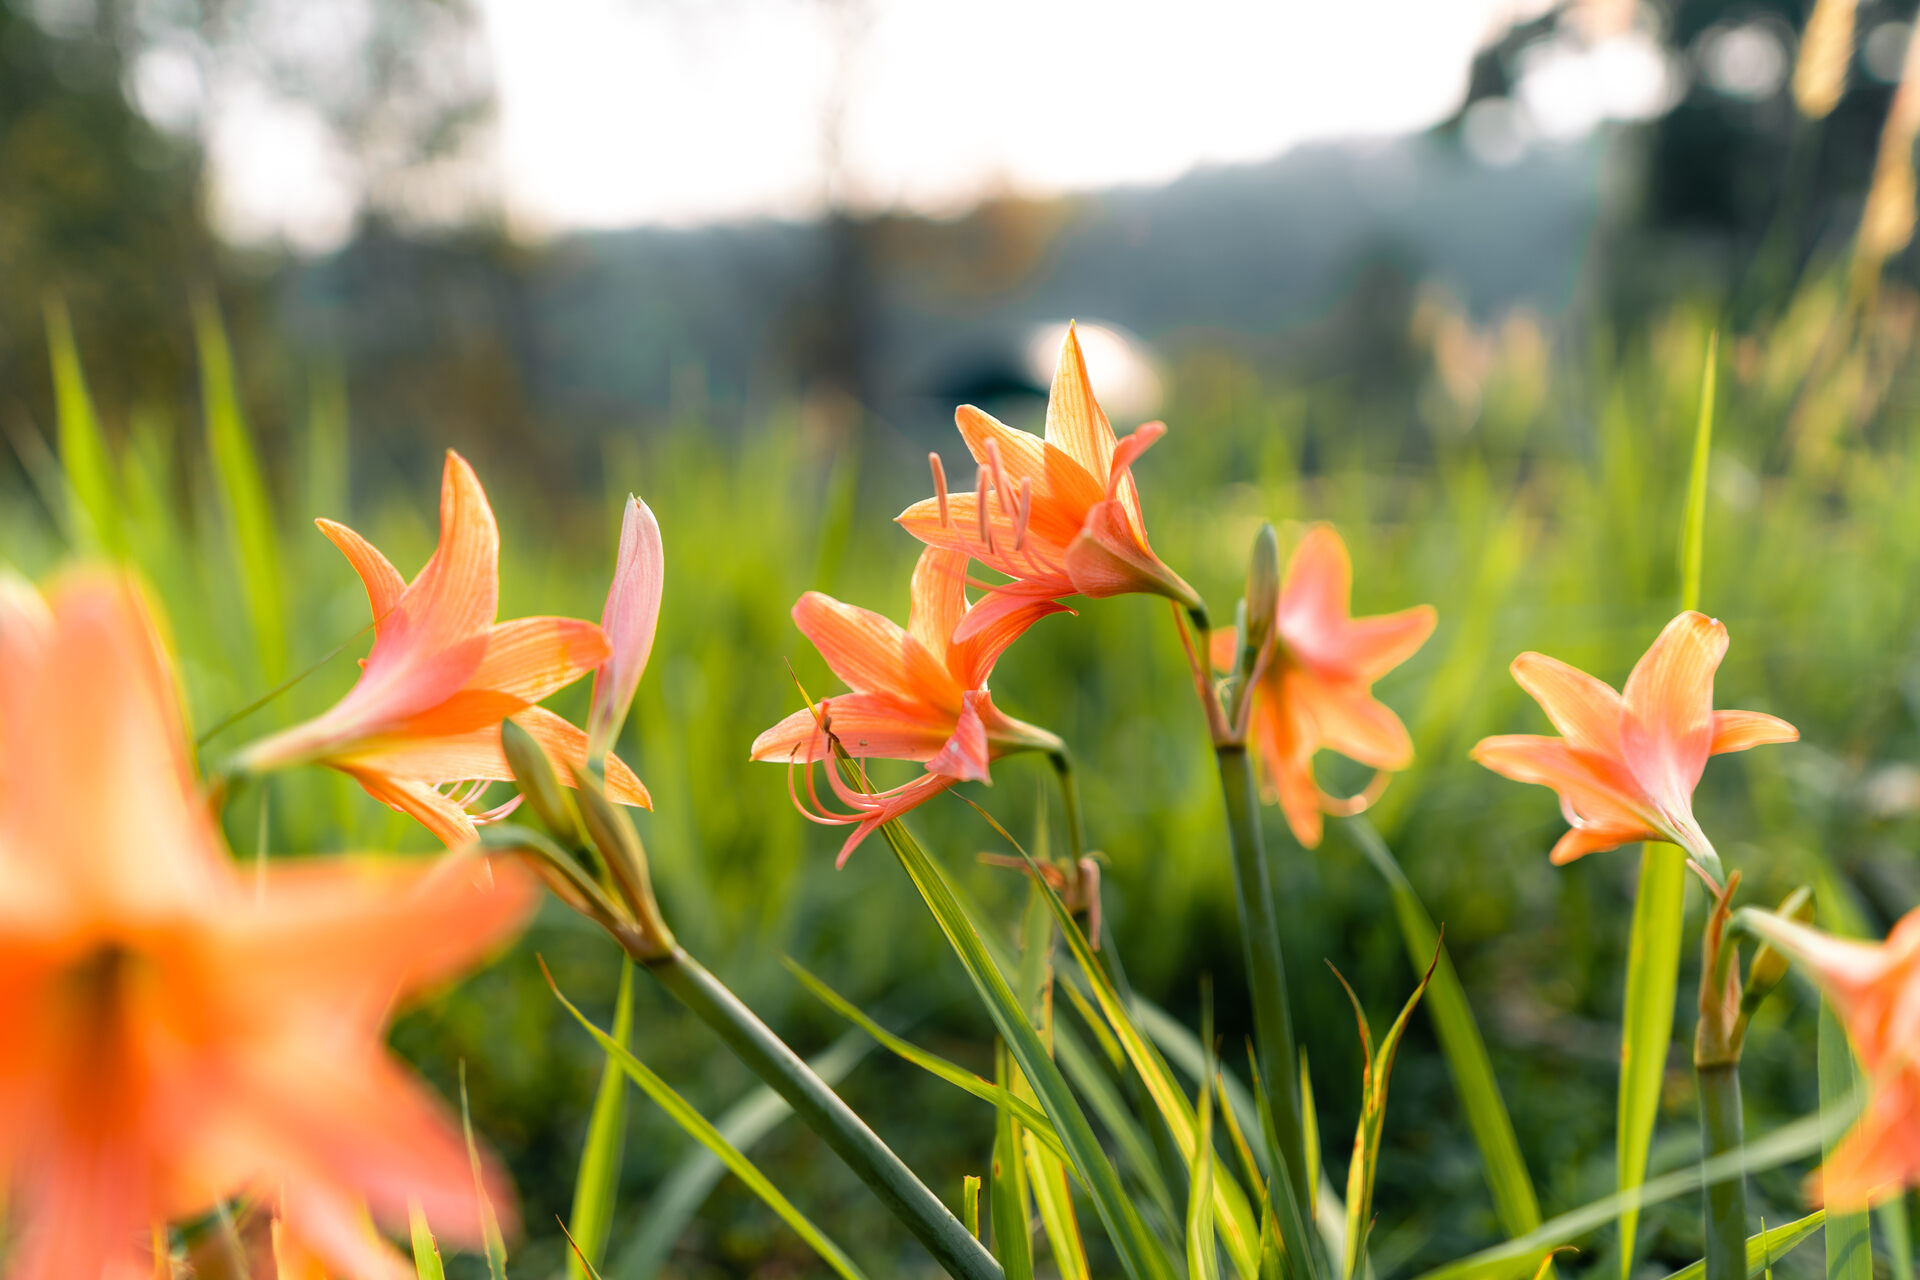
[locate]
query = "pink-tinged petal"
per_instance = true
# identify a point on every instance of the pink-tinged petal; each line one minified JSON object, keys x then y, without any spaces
{"x":1037,"y":560}
{"x":1314,"y":594}
{"x":994,"y":622}
{"x":353,"y":1255}
{"x":1846,"y":969}
{"x":964,"y":757}
{"x":1223,"y":649}
{"x":1376,"y":645}
{"x":1879,"y":1154}
{"x":83,"y":1214}
{"x":383,"y":582}
{"x":26,"y":634}
{"x":630,"y":620}
{"x":1109,"y":558}
{"x":894,"y":804}
{"x":419,"y":801}
{"x":939,"y":598}
{"x":1586,"y":710}
{"x":567,"y":744}
{"x":98,"y":732}
{"x":437,"y":634}
{"x":1075,"y":421}
{"x":1580,"y":841}
{"x":1284,"y":753}
{"x":869,"y":726}
{"x":1738,"y":730}
{"x":1348,"y":719}
{"x":530,"y":658}
{"x":1668,"y":729}
{"x":1120,"y":485}
{"x":1595,"y":787}
{"x":871,"y":653}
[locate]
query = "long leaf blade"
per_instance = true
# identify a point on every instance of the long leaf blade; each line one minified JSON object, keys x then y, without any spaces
{"x":598,"y":1178}
{"x":1764,"y":1247}
{"x":703,"y":1131}
{"x":1646,"y":1024}
{"x":95,"y":512}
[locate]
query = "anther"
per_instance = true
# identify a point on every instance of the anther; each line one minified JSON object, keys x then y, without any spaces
{"x":939,"y":485}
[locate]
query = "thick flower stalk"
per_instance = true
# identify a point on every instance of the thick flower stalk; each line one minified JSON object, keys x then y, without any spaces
{"x":179,"y":1033}
{"x":1059,"y":515}
{"x":1627,"y":763}
{"x":1875,"y":990}
{"x":1316,"y":688}
{"x":425,"y":715}
{"x":918,"y":693}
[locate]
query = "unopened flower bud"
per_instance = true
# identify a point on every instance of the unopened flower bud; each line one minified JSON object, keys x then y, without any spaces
{"x":630,"y":619}
{"x":533,"y":773}
{"x":619,"y":844}
{"x":1263,"y":590}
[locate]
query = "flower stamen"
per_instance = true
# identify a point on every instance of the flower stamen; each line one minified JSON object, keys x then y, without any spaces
{"x":939,"y":485}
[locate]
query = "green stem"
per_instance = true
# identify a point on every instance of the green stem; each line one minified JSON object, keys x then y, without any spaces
{"x":908,"y":1198}
{"x":1726,"y":1202}
{"x":1266,"y":972}
{"x":1070,"y":801}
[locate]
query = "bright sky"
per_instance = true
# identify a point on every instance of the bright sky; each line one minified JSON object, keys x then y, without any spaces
{"x":615,"y":113}
{"x":626,"y":111}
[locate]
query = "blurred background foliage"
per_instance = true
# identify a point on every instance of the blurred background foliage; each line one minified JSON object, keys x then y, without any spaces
{"x":1485,"y":374}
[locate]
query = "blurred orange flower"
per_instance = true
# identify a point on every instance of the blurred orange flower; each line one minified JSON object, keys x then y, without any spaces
{"x":178,"y":1032}
{"x":443,"y":674}
{"x":919,"y":694}
{"x":1059,"y":515}
{"x":1627,"y":764}
{"x":1875,"y":989}
{"x":1317,"y":689}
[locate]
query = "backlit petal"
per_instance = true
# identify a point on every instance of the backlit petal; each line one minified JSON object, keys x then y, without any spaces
{"x":1063,"y":487}
{"x":1668,"y":729}
{"x":1880,"y":1152}
{"x":1313,"y":597}
{"x":530,"y":658}
{"x":1586,"y":710}
{"x":1348,"y":719}
{"x":939,"y":598}
{"x":418,"y":800}
{"x":1595,"y":787}
{"x":964,"y":756}
{"x":383,"y":582}
{"x":1075,"y":421}
{"x":869,"y":726}
{"x":1284,"y":755}
{"x":1371,"y":647}
{"x":1580,"y":841}
{"x":1110,"y":558}
{"x":631,"y":617}
{"x":994,"y":622}
{"x":1738,"y":730}
{"x":1038,"y":560}
{"x":871,"y":653}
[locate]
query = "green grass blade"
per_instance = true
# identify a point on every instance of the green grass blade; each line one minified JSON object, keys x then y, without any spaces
{"x":1764,"y":1245}
{"x":1849,"y":1235}
{"x":1007,"y":1190}
{"x":1520,"y":1257}
{"x":1693,"y":537}
{"x":1140,"y":1255}
{"x":1029,"y":1116}
{"x":496,"y":1245}
{"x":1646,"y":1030}
{"x":1203,"y":1254}
{"x":243,"y":494}
{"x":94,"y":512}
{"x":426,"y":1254}
{"x":598,"y":1180}
{"x":1373,"y":1115}
{"x":1897,"y":1232}
{"x":970,"y":1203}
{"x":703,"y":1131}
{"x":1048,"y":1180}
{"x":693,"y":1179}
{"x":1514,"y":1200}
{"x":1103,"y":1096}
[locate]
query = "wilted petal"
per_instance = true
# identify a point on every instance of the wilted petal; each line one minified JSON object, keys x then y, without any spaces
{"x":630,"y":619}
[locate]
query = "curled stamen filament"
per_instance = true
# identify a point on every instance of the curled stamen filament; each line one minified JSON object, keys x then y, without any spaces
{"x":1354,"y":805}
{"x":939,"y":485}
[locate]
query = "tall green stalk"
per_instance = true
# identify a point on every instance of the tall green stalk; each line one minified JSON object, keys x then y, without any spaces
{"x":1722,"y":1131}
{"x":768,"y":1056}
{"x":1266,"y":975}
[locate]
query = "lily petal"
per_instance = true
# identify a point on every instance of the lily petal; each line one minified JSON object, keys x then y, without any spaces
{"x":939,"y":598}
{"x":994,"y":622}
{"x":1351,"y":721}
{"x":1584,"y":709}
{"x":871,"y":653}
{"x":630,"y":619}
{"x":1738,"y":730}
{"x":1075,"y":421}
{"x":869,"y":726}
{"x":1579,"y":841}
{"x":1594,"y":786}
{"x":964,"y":757}
{"x":1668,"y":729}
{"x":1109,"y":558}
{"x":384,"y":584}
{"x":530,"y":658}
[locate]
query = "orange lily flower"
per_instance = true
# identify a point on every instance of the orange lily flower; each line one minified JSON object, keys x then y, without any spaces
{"x":178,"y":1032}
{"x":1060,"y":515}
{"x":443,"y":674}
{"x":1627,"y":763}
{"x":918,"y":694}
{"x":1317,"y":689}
{"x":1875,"y":989}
